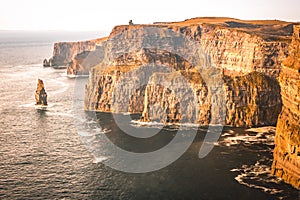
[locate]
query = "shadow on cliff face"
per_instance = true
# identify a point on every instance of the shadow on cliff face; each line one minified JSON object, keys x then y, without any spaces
{"x":252,"y":100}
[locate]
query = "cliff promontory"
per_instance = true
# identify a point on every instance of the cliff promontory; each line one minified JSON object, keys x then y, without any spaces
{"x":65,"y":52}
{"x":246,"y":54}
{"x":286,"y":162}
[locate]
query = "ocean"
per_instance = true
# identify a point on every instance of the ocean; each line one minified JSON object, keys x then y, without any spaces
{"x":46,"y":155}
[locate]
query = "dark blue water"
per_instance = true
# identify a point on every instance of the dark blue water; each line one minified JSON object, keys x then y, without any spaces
{"x":42,"y":156}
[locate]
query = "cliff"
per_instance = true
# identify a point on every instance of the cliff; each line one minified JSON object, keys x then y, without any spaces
{"x":286,"y":162}
{"x":149,"y":71}
{"x":251,"y":100}
{"x":127,"y":73}
{"x":84,"y":61}
{"x":239,"y":47}
{"x":245,"y":54}
{"x":64,"y":52}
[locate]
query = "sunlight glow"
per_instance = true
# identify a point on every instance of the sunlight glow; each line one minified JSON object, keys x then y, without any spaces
{"x":103,"y":15}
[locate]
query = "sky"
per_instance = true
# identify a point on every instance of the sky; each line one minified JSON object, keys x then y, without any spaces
{"x":92,"y":15}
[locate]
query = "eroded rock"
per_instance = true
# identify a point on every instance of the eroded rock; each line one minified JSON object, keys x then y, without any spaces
{"x":40,"y":94}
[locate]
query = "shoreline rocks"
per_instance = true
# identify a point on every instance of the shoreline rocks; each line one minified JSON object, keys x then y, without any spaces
{"x":47,"y":63}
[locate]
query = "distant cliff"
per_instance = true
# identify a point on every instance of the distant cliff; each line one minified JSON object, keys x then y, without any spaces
{"x":286,"y":162}
{"x":65,"y":52}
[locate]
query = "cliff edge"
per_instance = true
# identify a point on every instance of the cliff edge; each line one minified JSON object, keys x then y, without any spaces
{"x":65,"y":52}
{"x":237,"y":46}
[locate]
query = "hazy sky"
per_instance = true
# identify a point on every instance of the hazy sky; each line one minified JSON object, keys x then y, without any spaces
{"x":103,"y":15}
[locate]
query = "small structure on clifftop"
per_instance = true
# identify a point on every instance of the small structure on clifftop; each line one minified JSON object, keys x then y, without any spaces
{"x":40,"y":96}
{"x":130,"y":22}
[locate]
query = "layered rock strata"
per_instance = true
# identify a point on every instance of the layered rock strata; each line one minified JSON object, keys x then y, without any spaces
{"x":239,"y":47}
{"x":252,"y":98}
{"x":64,"y":52}
{"x":286,"y":162}
{"x":123,"y":83}
{"x":84,"y":61}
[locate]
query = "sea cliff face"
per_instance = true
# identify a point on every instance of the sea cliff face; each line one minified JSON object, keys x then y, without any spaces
{"x":247,"y":59}
{"x":238,"y":47}
{"x":237,"y":51}
{"x":286,"y":162}
{"x":251,"y":100}
{"x":65,"y":52}
{"x":84,"y":61}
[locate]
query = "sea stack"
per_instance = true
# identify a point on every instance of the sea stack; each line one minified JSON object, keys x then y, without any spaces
{"x":40,"y":94}
{"x":47,"y":63}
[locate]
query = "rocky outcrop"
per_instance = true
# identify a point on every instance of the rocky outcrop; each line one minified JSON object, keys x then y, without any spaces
{"x":64,"y":52}
{"x":238,"y":52}
{"x":47,"y":63}
{"x":286,"y":162}
{"x":40,"y":94}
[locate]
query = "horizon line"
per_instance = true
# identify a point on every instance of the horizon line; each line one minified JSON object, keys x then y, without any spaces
{"x":109,"y":29}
